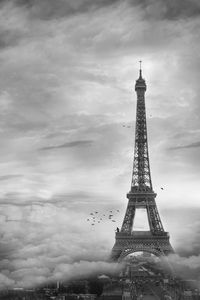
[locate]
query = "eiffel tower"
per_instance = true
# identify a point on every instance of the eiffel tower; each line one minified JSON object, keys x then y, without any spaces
{"x":141,"y":195}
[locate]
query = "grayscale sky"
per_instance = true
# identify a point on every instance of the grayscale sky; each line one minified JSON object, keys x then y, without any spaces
{"x":67,"y":113}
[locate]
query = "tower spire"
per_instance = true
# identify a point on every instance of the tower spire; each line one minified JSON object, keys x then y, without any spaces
{"x":141,"y":177}
{"x":140,"y":69}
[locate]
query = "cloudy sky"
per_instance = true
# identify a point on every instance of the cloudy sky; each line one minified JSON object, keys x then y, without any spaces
{"x":67,"y":113}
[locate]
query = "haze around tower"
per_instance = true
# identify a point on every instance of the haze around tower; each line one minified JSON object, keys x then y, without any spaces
{"x":67,"y":115}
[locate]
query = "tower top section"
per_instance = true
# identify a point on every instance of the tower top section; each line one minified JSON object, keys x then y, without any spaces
{"x":140,"y":84}
{"x":141,"y":178}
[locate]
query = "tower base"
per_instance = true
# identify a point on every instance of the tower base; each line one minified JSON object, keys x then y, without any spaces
{"x":155,"y":243}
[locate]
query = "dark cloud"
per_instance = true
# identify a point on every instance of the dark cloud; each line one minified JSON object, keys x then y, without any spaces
{"x":5,"y":251}
{"x":9,"y":38}
{"x":193,"y":145}
{"x":12,"y":24}
{"x":50,"y":9}
{"x":70,"y":144}
{"x":160,"y":9}
{"x":11,"y":176}
{"x":167,"y":9}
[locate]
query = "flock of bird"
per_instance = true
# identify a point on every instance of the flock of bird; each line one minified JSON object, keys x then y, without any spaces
{"x":126,"y":126}
{"x":95,"y":217}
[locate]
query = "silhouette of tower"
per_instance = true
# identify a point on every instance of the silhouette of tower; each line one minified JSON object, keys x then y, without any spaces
{"x":141,"y":195}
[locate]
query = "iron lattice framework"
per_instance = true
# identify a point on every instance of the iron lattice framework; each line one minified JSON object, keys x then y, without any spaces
{"x":141,"y":195}
{"x":141,"y":180}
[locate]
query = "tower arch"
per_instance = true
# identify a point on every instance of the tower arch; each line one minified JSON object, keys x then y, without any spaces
{"x":127,"y":252}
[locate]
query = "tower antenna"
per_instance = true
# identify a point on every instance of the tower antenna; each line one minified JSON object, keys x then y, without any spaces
{"x":140,"y":61}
